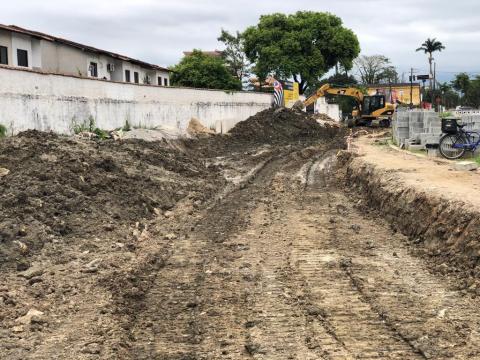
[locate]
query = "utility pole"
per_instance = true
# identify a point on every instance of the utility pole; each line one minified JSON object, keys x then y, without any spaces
{"x":411,"y":88}
{"x":435,"y":84}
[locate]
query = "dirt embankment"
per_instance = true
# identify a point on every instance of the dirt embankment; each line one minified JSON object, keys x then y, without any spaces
{"x":64,"y":188}
{"x":446,"y":232}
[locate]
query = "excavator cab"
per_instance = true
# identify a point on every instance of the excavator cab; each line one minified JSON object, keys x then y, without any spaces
{"x":372,"y":104}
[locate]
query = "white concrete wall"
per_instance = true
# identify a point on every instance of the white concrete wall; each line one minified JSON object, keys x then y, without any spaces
{"x":332,"y":110}
{"x":101,"y":61}
{"x":31,"y":100}
{"x":36,"y":54}
{"x":6,"y":40}
{"x":23,"y":42}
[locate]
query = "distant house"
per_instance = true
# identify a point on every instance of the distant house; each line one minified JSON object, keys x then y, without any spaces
{"x":38,"y":51}
{"x":397,"y":93}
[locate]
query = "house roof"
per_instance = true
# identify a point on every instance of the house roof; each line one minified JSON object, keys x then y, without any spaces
{"x":82,"y":47}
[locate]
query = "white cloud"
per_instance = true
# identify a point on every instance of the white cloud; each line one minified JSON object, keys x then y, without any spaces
{"x":159,"y":30}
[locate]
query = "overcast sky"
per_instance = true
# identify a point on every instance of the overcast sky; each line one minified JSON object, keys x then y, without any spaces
{"x":158,"y":31}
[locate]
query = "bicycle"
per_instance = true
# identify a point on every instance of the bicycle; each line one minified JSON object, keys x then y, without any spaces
{"x":457,"y":141}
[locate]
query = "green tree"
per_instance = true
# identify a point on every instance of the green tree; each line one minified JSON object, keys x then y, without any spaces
{"x":472,"y":96}
{"x":429,"y":47}
{"x":450,"y":98}
{"x":234,"y":54}
{"x":461,"y":83}
{"x":375,"y":69}
{"x":340,"y":80}
{"x":204,"y":71}
{"x":303,"y":46}
{"x":389,"y":75}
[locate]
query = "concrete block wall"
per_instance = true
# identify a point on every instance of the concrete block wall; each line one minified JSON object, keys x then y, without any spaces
{"x":416,"y":127}
{"x":425,"y":127}
{"x":47,"y":102}
{"x":400,"y":127}
{"x":472,"y":121}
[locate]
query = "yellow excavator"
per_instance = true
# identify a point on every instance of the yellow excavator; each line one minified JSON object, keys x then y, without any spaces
{"x":368,"y":108}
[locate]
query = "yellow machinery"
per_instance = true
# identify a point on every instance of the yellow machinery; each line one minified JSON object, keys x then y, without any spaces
{"x":368,"y":108}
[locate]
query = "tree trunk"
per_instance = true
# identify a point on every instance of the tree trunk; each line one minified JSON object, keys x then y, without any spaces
{"x":302,"y":87}
{"x":431,"y":74}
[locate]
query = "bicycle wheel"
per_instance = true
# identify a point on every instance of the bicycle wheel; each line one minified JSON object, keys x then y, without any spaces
{"x":447,"y":146}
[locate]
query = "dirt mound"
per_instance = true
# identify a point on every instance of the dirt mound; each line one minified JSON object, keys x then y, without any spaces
{"x":196,"y":128}
{"x":67,"y":188}
{"x":280,"y":125}
{"x":324,"y":117}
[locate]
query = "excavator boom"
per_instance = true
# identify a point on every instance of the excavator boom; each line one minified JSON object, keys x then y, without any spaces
{"x":327,"y":89}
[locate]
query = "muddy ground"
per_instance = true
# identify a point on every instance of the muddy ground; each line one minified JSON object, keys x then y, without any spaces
{"x":232,"y":247}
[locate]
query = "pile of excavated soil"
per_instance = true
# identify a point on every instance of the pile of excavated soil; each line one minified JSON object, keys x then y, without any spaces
{"x":67,"y":188}
{"x":281,"y":125}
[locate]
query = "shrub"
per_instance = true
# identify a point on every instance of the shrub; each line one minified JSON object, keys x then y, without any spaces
{"x":3,"y":131}
{"x":127,"y":126}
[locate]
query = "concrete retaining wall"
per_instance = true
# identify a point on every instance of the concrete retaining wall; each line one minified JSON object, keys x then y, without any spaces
{"x":32,"y":100}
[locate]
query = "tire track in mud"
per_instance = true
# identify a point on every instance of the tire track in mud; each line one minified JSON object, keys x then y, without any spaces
{"x":288,"y":269}
{"x":342,"y":325}
{"x":396,"y":287}
{"x":197,"y":282}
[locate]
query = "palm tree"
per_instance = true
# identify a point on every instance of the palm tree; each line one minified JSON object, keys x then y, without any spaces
{"x":429,"y":47}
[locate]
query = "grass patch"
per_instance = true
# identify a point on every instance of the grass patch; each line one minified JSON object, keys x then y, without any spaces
{"x":3,"y":131}
{"x":127,"y":126}
{"x":382,"y":142}
{"x":90,"y":126}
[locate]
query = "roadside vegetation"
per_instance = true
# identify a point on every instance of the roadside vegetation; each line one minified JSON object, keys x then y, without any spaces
{"x":89,"y":126}
{"x":3,"y":131}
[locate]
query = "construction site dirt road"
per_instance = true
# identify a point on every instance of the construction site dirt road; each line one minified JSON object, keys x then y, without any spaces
{"x":254,"y":249}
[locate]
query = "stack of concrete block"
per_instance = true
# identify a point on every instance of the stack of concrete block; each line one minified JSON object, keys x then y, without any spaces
{"x":416,"y":129}
{"x":400,"y":127}
{"x":432,"y":130}
{"x":416,"y":126}
{"x":472,"y":122}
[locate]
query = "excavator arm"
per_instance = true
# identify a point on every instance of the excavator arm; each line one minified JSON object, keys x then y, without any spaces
{"x":327,"y":89}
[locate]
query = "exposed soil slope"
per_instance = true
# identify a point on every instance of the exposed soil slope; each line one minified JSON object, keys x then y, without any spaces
{"x":230,"y":247}
{"x":66,"y":187}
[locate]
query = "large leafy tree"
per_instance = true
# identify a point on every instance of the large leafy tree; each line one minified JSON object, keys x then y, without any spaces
{"x":375,"y":69}
{"x":429,"y":47}
{"x":303,"y":46}
{"x":200,"y":70}
{"x":472,"y":96}
{"x":461,"y":83}
{"x":234,"y":54}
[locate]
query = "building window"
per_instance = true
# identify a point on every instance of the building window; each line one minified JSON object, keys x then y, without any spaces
{"x":136,"y":77}
{"x":165,"y":82}
{"x":93,"y":69}
{"x":22,"y":57}
{"x":127,"y":75}
{"x":159,"y":81}
{"x":3,"y":55}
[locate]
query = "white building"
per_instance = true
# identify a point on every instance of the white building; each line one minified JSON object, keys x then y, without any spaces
{"x":41,"y":52}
